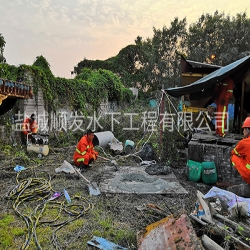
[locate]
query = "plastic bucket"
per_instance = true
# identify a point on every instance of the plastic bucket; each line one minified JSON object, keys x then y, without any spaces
{"x":129,"y":145}
{"x":209,"y":173}
{"x":194,"y":170}
{"x":152,"y":103}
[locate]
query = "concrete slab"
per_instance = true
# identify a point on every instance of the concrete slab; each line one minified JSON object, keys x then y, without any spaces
{"x":135,"y":180}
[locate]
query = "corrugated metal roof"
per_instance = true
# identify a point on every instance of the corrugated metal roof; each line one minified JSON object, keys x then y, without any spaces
{"x":210,"y":80}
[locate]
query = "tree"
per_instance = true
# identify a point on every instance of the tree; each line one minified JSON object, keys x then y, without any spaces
{"x":2,"y":45}
{"x":218,"y":35}
{"x":126,"y":65}
{"x":162,"y":58}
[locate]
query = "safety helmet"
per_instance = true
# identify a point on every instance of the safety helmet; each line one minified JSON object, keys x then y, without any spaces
{"x":33,"y":116}
{"x":212,"y":105}
{"x":246,"y":123}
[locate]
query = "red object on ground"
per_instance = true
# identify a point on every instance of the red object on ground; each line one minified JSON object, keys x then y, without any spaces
{"x":170,"y":233}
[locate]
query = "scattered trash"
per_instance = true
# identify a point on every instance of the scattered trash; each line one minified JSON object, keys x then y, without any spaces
{"x":217,"y":225}
{"x":104,"y":244}
{"x":66,"y":195}
{"x":18,"y":168}
{"x":226,"y":197}
{"x":209,"y":243}
{"x":169,"y":233}
{"x":40,"y":156}
{"x":239,"y":208}
{"x":66,"y":167}
{"x":116,"y":146}
{"x":54,"y":196}
{"x":148,"y":162}
{"x":199,"y":211}
{"x":147,"y":153}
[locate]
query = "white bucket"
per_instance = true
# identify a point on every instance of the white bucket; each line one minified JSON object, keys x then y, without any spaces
{"x":39,"y":149}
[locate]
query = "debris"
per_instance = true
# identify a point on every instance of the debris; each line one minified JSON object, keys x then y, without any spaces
{"x":148,"y":162}
{"x":104,"y":244}
{"x":207,"y":214}
{"x":216,"y":224}
{"x":147,"y":153}
{"x":66,"y":195}
{"x":116,"y":146}
{"x":239,"y":208}
{"x":54,"y":196}
{"x":66,"y":167}
{"x":18,"y":168}
{"x":226,"y":197}
{"x":237,"y":227}
{"x":157,"y":209}
{"x":209,"y":244}
{"x":169,"y":233}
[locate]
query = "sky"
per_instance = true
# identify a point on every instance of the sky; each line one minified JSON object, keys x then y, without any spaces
{"x":67,"y":31}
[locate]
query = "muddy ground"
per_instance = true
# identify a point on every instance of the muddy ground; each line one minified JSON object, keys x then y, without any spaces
{"x":127,"y":211}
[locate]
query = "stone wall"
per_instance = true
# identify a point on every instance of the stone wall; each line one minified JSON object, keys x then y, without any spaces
{"x":220,"y":155}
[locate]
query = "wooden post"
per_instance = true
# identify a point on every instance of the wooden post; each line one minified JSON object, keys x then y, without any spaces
{"x":161,"y":114}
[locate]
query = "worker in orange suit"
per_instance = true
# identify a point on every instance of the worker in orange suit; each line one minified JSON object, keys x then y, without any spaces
{"x":29,"y":127}
{"x":224,"y":92}
{"x":85,"y":152}
{"x":240,"y":155}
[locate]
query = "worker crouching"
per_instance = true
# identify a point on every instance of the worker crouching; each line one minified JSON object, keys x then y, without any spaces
{"x":240,"y":155}
{"x":85,"y":153}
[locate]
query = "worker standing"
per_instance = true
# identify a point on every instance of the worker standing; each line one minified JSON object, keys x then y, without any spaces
{"x":240,"y":155}
{"x":224,"y":92}
{"x":29,"y":127}
{"x":85,"y":152}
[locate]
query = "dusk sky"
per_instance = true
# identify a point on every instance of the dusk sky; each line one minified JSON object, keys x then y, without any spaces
{"x":67,"y":31}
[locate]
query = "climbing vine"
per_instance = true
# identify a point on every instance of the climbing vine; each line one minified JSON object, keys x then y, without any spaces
{"x":89,"y":88}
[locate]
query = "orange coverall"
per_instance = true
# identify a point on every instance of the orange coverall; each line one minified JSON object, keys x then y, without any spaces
{"x":240,"y":158}
{"x":224,"y":92}
{"x":84,"y":151}
{"x":29,"y":127}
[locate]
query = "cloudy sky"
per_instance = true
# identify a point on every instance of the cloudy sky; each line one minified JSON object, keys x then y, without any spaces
{"x":67,"y":31}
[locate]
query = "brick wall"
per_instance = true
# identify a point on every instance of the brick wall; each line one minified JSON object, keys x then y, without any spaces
{"x":220,"y":155}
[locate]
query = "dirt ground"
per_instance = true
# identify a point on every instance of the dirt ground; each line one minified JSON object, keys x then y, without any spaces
{"x":127,"y":211}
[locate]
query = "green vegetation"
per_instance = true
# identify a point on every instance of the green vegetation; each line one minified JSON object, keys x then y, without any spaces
{"x":9,"y":232}
{"x":88,"y":88}
{"x":154,"y":61}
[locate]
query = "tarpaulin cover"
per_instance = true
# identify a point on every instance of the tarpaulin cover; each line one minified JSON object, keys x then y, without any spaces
{"x":209,"y":80}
